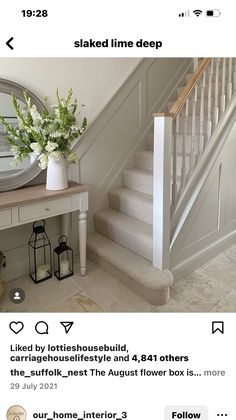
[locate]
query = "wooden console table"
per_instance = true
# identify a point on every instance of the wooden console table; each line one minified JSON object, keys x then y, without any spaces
{"x":29,"y":204}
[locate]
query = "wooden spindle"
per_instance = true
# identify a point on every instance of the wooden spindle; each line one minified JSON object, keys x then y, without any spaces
{"x":193,"y":137}
{"x":216,"y":106}
{"x":234,"y":75}
{"x":184,"y":146}
{"x":222,"y":99}
{"x":195,"y":64}
{"x":201,"y":143}
{"x":174,"y":156}
{"x":209,"y":101}
{"x":229,"y":83}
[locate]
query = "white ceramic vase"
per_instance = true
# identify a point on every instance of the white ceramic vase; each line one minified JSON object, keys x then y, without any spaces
{"x":32,"y":157}
{"x":56,"y":174}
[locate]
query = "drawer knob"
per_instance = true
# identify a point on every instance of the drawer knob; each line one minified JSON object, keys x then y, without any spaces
{"x":47,"y":209}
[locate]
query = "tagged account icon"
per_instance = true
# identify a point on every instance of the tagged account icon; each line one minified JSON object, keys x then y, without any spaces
{"x":16,"y":412}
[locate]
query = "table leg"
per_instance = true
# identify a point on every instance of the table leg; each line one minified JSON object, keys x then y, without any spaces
{"x":82,"y":242}
{"x":66,"y":225}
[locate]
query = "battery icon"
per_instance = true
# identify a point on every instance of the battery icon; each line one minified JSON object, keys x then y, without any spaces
{"x":213,"y":13}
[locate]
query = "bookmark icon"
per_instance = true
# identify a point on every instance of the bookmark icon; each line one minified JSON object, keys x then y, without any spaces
{"x":217,"y":326}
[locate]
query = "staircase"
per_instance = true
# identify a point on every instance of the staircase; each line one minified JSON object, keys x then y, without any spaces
{"x":123,"y":242}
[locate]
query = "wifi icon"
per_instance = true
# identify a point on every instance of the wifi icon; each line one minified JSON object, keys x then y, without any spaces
{"x":197,"y":12}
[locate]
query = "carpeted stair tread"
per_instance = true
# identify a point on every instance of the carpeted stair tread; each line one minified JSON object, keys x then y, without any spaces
{"x":132,"y":203}
{"x":126,"y":231}
{"x":137,"y":268}
{"x":138,"y":180}
{"x":144,"y":160}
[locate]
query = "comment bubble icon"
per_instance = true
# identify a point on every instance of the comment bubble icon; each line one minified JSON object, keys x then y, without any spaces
{"x":41,"y":327}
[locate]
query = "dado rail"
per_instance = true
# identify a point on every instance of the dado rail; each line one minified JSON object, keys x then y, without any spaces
{"x":184,"y":139}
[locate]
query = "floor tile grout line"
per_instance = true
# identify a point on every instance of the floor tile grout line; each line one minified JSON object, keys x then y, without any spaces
{"x":218,"y":303}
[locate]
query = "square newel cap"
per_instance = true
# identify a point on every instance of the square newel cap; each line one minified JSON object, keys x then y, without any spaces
{"x":162,"y":114}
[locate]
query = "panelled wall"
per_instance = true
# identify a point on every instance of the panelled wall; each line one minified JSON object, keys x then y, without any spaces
{"x":211,"y":224}
{"x":108,"y":144}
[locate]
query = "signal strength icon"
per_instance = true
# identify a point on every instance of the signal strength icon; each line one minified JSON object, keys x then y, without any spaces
{"x":197,"y":12}
{"x":185,"y":14}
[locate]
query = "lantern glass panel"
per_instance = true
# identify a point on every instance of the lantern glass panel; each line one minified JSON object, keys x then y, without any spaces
{"x":63,"y":259}
{"x":40,"y":264}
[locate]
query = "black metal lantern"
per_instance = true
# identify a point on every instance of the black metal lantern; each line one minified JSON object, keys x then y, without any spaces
{"x":40,"y":260}
{"x":63,"y":260}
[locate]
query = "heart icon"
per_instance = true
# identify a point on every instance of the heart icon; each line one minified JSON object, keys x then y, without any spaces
{"x":16,"y":327}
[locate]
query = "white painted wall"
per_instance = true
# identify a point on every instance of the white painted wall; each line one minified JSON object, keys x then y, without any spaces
{"x":93,"y":80}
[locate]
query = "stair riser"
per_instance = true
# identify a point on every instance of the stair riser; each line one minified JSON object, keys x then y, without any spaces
{"x":139,"y":183}
{"x":148,"y":189}
{"x":136,"y":272}
{"x":154,"y":297}
{"x":144,"y":161}
{"x":141,"y":245}
{"x":138,"y":209}
{"x":179,"y":156}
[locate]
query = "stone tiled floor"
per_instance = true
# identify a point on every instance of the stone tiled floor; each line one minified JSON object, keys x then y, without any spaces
{"x":212,"y":288}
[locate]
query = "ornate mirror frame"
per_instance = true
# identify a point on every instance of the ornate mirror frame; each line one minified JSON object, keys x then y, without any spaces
{"x":20,"y":179}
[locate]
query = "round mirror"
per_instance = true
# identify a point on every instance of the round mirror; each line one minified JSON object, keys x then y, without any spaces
{"x":12,"y":177}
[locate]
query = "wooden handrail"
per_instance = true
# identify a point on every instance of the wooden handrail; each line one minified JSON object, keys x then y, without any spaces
{"x":162,"y":114}
{"x":186,"y":92}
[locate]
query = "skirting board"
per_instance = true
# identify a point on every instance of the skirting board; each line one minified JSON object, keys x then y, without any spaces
{"x":203,"y":256}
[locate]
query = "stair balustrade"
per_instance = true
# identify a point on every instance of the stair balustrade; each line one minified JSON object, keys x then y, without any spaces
{"x":180,"y":138}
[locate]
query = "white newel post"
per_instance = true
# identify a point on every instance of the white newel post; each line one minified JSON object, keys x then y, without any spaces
{"x":161,"y":190}
{"x":82,"y":242}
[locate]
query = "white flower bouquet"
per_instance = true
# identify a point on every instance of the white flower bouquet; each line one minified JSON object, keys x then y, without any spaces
{"x":44,"y":133}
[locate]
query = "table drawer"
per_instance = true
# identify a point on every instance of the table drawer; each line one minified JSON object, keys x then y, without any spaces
{"x":5,"y":218}
{"x":45,"y":209}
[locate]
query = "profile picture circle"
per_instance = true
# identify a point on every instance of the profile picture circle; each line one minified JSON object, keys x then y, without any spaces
{"x":16,"y":412}
{"x":17,"y":295}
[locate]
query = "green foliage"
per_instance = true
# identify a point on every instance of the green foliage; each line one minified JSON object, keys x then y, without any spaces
{"x":45,"y":133}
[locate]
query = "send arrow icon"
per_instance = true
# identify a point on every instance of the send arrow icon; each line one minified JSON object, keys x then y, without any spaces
{"x":67,"y":325}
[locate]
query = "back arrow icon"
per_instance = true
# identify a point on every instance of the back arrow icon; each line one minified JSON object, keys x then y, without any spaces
{"x":8,"y":43}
